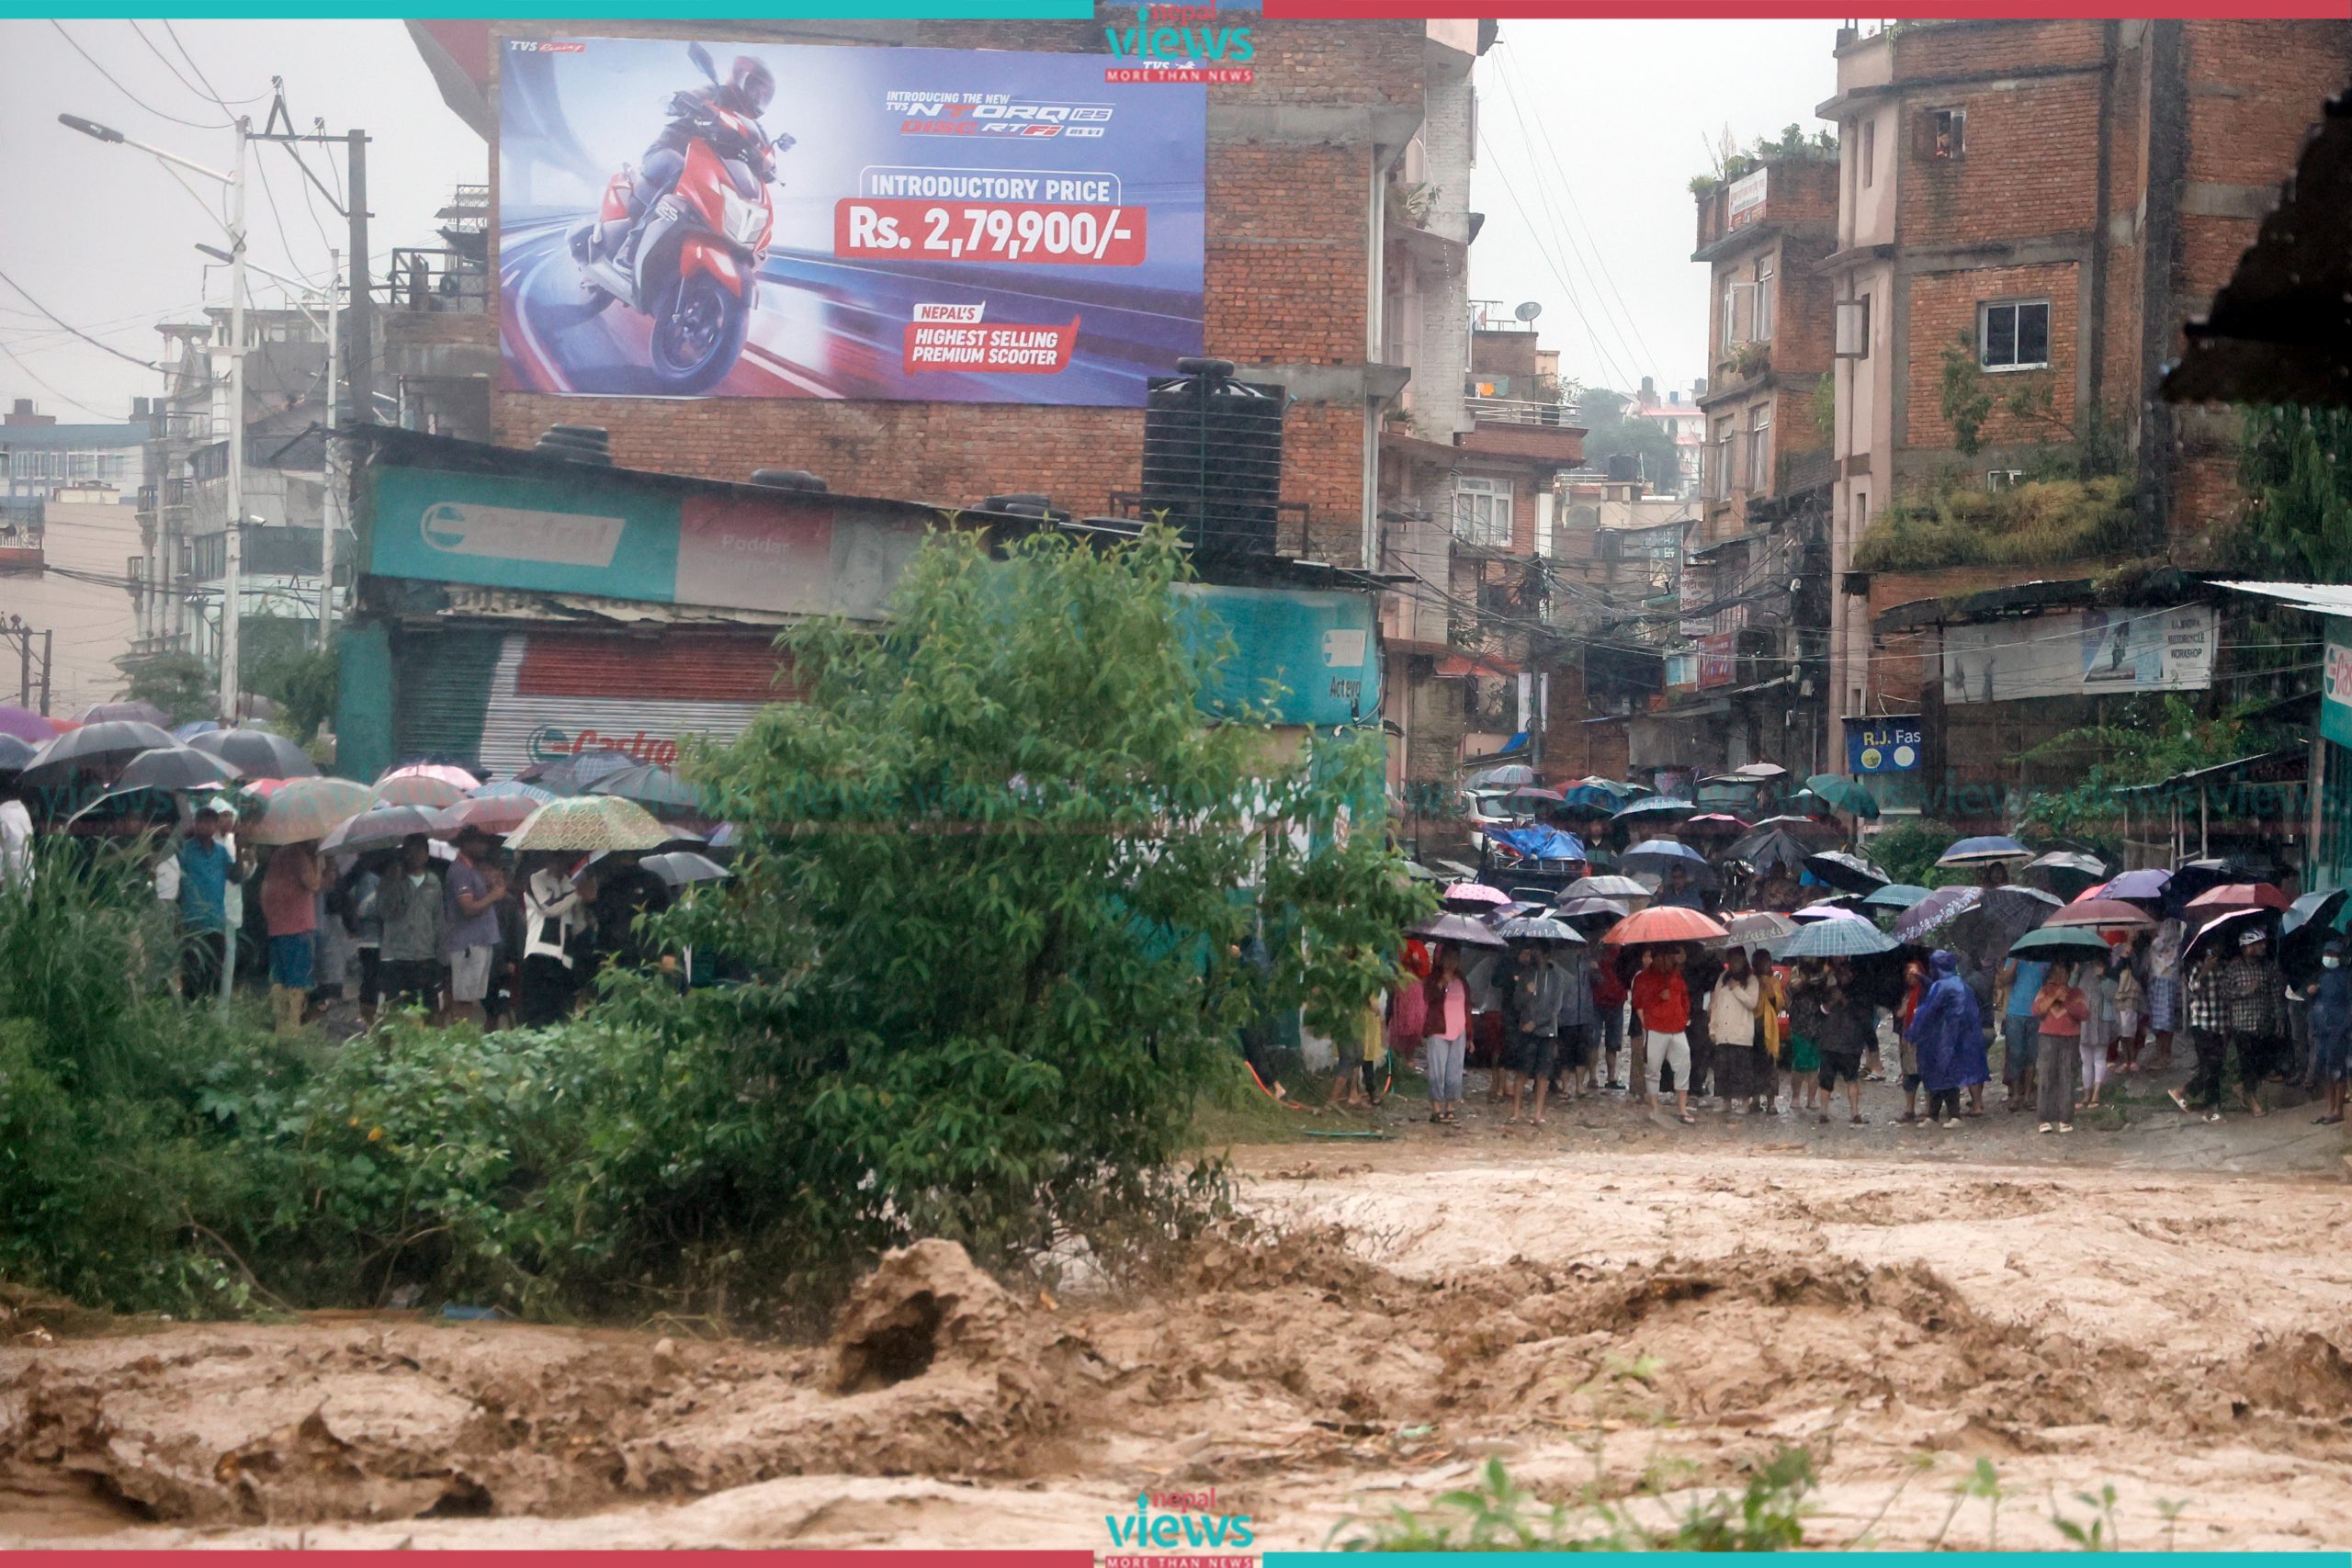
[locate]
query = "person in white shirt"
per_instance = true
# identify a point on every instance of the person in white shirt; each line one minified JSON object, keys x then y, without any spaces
{"x":556,"y":915}
{"x":15,"y":840}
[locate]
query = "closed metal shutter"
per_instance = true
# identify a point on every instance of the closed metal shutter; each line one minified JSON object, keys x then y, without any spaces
{"x":442,"y":679}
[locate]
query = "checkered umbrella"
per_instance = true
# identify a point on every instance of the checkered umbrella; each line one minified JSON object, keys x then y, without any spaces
{"x":590,"y":822}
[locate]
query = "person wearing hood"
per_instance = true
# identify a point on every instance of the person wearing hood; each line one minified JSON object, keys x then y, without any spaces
{"x":1948,"y":1033}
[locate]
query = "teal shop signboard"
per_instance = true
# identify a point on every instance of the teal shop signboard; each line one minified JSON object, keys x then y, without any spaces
{"x":551,"y":536}
{"x":1310,"y":656}
{"x":2336,"y":684}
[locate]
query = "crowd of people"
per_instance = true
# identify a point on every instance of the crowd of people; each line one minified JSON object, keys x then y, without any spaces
{"x":459,"y":934}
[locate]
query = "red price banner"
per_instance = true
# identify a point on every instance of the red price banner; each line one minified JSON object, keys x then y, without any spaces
{"x":1037,"y":232}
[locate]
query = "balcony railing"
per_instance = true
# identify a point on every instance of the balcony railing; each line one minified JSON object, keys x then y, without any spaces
{"x":1514,"y":411}
{"x":430,"y":279}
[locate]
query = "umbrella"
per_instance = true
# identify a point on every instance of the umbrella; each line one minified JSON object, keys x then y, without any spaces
{"x":1590,"y":907}
{"x":1543,"y":796}
{"x":2238,"y":896}
{"x":258,"y":753}
{"x":1605,"y":888}
{"x":1811,"y":803}
{"x":1460,"y":930}
{"x":2227,"y":927}
{"x":140,"y":801}
{"x":1667,"y":924}
{"x":2112,"y":913}
{"x":2062,"y":940}
{"x":590,"y":822}
{"x":515,"y":789}
{"x":445,"y":772}
{"x":26,"y":725}
{"x":1813,"y":912}
{"x":1937,"y":909}
{"x":2069,"y":859}
{"x":1799,"y":826}
{"x":1895,"y":895}
{"x":194,"y":728}
{"x":1414,"y":870}
{"x":1844,"y":794}
{"x":100,"y":745}
{"x":498,"y":815}
{"x":1760,"y":771}
{"x":680,"y":867}
{"x":1471,"y":897}
{"x":1501,"y":778}
{"x":2305,"y":928}
{"x":307,"y":808}
{"x":1837,"y":938}
{"x":1983,"y":851}
{"x":264,"y":788}
{"x":1714,"y":823}
{"x":376,"y":827}
{"x":723,"y":837}
{"x":1661,"y":854}
{"x":569,"y":775}
{"x":2141,"y":886}
{"x":1657,"y":810}
{"x":1535,"y":928}
{"x":417,"y":789}
{"x":647,"y":785}
{"x":1768,"y":848}
{"x":1847,"y":874}
{"x":116,"y":712}
{"x":1759,"y":926}
{"x":176,"y":767}
{"x":1592,"y":800}
{"x":15,"y":752}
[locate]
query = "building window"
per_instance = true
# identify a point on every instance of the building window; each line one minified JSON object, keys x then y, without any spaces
{"x":2014,"y":334}
{"x":1764,"y":301}
{"x":1947,"y":135}
{"x":1739,"y":312}
{"x":1718,"y":466}
{"x":1482,"y":511}
{"x":1869,"y":153}
{"x":2004,"y":478}
{"x":1853,"y":328}
{"x":1759,"y":450}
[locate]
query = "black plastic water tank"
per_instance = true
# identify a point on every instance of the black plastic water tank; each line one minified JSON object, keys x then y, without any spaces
{"x":1213,"y":456}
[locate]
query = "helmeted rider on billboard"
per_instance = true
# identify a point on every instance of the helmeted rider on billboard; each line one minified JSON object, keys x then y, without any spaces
{"x":732,"y":109}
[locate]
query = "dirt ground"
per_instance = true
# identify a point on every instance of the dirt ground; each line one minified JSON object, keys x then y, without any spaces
{"x":1610,"y":1302}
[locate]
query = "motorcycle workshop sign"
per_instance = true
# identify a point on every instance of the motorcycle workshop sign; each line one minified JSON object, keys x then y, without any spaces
{"x":792,"y":220}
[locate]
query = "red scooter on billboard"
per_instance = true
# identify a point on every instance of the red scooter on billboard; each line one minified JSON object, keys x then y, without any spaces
{"x":681,"y":237}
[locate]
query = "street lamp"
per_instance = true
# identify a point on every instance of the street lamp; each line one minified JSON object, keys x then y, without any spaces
{"x":232,"y":545}
{"x":329,"y":521}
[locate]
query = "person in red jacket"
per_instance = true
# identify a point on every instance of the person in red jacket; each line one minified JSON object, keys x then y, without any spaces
{"x":1662,"y":1004}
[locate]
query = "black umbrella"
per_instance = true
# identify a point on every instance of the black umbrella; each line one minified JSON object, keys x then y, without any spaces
{"x":261,"y":754}
{"x":2228,"y":930}
{"x":1767,"y":849}
{"x":680,"y":867}
{"x":647,"y":785}
{"x":1847,"y":874}
{"x":103,"y":745}
{"x":2304,"y":928}
{"x":15,"y":752}
{"x":176,"y":767}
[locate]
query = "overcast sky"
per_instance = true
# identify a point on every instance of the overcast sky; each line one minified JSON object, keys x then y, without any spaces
{"x":1591,"y":131}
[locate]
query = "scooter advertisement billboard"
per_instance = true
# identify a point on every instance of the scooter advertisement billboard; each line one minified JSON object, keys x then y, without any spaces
{"x":771,"y":221}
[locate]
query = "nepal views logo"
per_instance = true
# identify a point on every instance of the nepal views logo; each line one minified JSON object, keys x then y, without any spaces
{"x":1187,"y":1526}
{"x":1181,"y":42}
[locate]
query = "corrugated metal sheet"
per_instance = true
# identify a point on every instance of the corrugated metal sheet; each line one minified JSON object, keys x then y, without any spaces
{"x":677,"y":665}
{"x":442,"y":680}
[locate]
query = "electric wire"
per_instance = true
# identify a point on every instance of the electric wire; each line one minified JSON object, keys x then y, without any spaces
{"x":140,"y":102}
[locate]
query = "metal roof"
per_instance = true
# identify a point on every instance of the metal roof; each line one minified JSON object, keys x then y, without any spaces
{"x":2317,"y":598}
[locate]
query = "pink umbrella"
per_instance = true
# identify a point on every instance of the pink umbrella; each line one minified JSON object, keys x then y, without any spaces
{"x":1829,"y":912}
{"x":417,"y":789}
{"x":2096,"y":912}
{"x":442,"y":771}
{"x":25,"y":725}
{"x":494,"y":814}
{"x":264,"y":788}
{"x":1473,"y":895}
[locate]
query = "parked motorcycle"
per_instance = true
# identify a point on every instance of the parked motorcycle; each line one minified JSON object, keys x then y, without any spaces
{"x":694,"y":266}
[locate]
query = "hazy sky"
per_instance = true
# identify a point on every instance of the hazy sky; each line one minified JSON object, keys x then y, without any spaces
{"x":1591,"y":131}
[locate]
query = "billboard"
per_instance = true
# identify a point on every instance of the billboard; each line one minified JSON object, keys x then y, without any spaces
{"x":1884,"y":745}
{"x":2089,"y":652}
{"x":798,"y":220}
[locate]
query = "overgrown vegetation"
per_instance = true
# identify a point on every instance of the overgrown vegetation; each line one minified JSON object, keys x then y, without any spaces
{"x":1793,"y":145}
{"x":1907,"y":850}
{"x":179,"y":683}
{"x":2296,"y":465}
{"x":988,"y":932}
{"x":1493,"y":1513}
{"x":2141,"y":740}
{"x":1612,"y":427}
{"x":2036,"y":523}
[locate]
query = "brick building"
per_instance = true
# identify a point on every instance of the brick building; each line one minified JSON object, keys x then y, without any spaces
{"x":1297,"y":187}
{"x":2044,"y":203}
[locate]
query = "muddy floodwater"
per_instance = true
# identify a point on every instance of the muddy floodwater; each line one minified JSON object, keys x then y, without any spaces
{"x":1604,"y":1303}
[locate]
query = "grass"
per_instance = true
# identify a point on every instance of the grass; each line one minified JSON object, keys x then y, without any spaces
{"x":2041,"y":524}
{"x":1237,"y":1112}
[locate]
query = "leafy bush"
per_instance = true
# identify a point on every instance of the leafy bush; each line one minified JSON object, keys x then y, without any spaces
{"x":1907,"y":851}
{"x":2038,"y":524}
{"x":1495,"y":1513}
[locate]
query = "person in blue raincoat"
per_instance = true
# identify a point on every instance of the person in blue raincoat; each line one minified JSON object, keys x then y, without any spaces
{"x":1948,"y":1033}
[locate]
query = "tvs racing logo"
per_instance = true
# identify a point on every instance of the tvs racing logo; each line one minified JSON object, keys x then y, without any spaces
{"x":1182,"y":1520}
{"x":1181,"y":44}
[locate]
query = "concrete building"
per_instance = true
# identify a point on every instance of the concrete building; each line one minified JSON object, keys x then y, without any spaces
{"x":38,"y":456}
{"x":72,"y":586}
{"x":2038,"y":207}
{"x":1677,"y":412}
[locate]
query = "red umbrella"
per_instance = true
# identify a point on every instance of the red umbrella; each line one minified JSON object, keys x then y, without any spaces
{"x":1669,"y":924}
{"x":2238,"y":896}
{"x":2109,"y":912}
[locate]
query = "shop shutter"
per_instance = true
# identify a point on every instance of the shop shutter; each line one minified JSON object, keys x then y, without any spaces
{"x":443,"y":682}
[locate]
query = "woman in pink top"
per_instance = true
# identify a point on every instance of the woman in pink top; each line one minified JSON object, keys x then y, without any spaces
{"x":1449,"y":1037}
{"x":289,"y":893}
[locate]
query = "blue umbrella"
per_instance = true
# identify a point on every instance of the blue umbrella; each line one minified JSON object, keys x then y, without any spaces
{"x":189,"y":731}
{"x":1983,"y":851}
{"x":1837,"y":938}
{"x":1656,"y":854}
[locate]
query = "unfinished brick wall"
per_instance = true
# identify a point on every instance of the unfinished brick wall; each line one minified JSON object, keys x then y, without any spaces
{"x":1943,"y":310}
{"x":2029,"y":164}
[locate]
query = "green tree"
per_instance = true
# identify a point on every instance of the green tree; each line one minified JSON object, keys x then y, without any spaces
{"x":2296,"y":463}
{"x":1611,"y":428}
{"x":179,"y":683}
{"x":1002,"y":867}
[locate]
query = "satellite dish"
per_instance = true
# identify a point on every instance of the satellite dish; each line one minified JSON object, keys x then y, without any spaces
{"x":1527,"y":312}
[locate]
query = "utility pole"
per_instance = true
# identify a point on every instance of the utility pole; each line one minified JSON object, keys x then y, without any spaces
{"x":362,"y":350}
{"x":331,"y":519}
{"x":232,"y":545}
{"x":48,"y":665}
